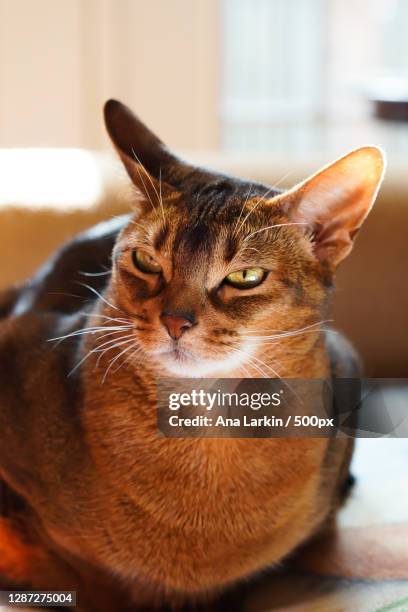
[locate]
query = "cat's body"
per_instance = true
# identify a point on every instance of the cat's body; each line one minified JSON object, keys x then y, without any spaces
{"x":101,"y":502}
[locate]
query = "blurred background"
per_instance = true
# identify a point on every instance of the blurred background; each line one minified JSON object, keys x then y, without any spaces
{"x":232,"y":75}
{"x":265,"y":89}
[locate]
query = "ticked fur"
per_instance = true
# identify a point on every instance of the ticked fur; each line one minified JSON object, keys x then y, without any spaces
{"x":105,"y":499}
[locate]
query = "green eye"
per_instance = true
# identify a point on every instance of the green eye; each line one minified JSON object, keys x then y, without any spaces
{"x":246,"y":279}
{"x":144,"y":262}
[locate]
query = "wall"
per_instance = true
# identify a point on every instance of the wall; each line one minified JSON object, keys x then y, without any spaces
{"x":59,"y":61}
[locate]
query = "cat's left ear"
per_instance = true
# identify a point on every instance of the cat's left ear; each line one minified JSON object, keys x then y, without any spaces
{"x":334,"y":202}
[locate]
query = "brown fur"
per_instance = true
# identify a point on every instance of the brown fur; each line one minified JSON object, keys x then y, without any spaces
{"x":112,"y":507}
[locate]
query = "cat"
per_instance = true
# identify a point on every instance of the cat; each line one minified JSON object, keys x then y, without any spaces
{"x":192,"y":283}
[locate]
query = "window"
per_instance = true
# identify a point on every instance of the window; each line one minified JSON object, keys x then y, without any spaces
{"x":298,"y":74}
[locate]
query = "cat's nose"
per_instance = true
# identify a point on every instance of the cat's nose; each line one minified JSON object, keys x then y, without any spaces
{"x":177,"y":323}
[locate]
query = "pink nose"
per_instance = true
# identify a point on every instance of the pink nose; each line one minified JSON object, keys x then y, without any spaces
{"x":175,"y":324}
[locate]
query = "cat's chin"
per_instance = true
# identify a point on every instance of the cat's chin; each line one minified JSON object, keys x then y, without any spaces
{"x":181,"y":363}
{"x":184,"y":364}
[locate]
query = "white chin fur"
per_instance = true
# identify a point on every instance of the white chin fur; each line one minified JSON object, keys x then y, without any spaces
{"x":201,"y":368}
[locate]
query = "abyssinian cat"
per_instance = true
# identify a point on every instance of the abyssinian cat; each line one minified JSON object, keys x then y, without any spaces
{"x":210,"y":276}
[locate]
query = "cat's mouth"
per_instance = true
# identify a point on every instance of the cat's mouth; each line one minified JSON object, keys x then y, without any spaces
{"x":182,"y":362}
{"x":179,"y":355}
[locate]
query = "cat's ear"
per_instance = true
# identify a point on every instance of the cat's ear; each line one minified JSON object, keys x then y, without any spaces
{"x":333,"y":203}
{"x":137,"y":147}
{"x":136,"y":144}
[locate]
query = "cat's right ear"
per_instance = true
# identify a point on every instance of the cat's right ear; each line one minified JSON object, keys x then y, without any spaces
{"x":137,"y":147}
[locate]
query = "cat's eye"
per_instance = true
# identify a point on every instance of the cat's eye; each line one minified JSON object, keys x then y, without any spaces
{"x":145,"y":263}
{"x":246,"y":279}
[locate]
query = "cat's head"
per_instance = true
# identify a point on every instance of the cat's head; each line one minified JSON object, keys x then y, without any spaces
{"x":215,"y":271}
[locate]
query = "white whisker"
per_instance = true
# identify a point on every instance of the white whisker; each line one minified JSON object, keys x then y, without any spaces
{"x":100,"y":296}
{"x":275,"y":373}
{"x":74,"y":369}
{"x":242,"y":210}
{"x":288,"y":332}
{"x":94,"y":273}
{"x":283,"y":178}
{"x":114,"y":360}
{"x":263,"y":229}
{"x":113,"y":342}
{"x":265,"y":365}
{"x":129,"y":358}
{"x":109,"y":348}
{"x":89,"y":353}
{"x":143,"y":183}
{"x":262,"y":199}
{"x":91,"y":330}
{"x":276,"y":339}
{"x":102,"y":316}
{"x":161,"y":197}
{"x":253,"y":365}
